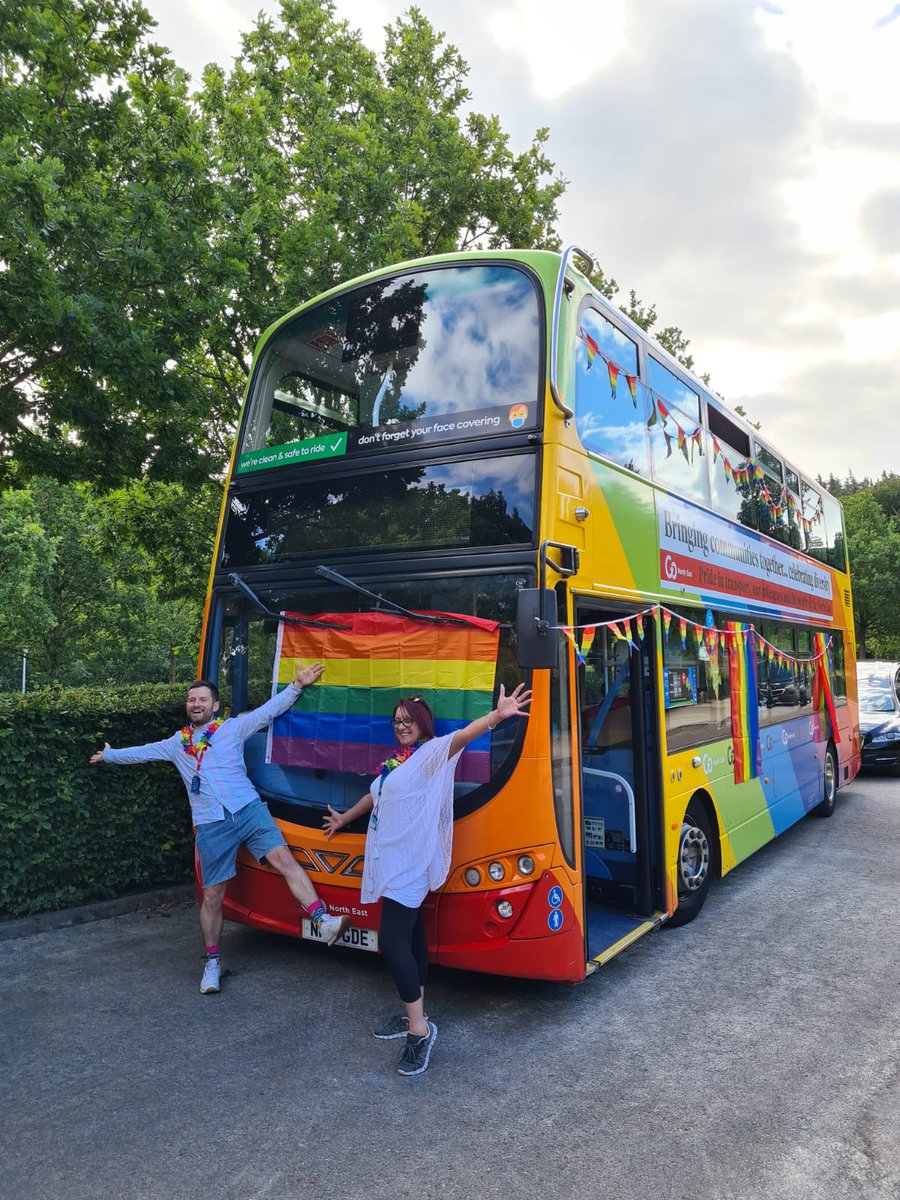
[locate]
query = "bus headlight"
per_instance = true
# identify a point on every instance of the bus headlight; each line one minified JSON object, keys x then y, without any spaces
{"x":525,"y":865}
{"x":473,"y":876}
{"x":497,"y":871}
{"x":505,"y":909}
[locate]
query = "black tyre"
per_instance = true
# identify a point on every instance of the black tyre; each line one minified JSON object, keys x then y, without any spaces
{"x":825,"y":807}
{"x":695,"y":851}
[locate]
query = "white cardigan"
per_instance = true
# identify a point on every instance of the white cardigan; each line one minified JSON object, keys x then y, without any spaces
{"x":410,"y":834}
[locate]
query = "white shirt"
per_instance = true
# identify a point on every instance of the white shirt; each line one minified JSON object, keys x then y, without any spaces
{"x":224,"y":784}
{"x":410,"y":836}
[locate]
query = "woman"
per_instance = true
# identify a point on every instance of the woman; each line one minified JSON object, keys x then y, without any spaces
{"x":408,"y":851}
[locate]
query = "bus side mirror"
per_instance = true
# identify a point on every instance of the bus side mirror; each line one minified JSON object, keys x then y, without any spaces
{"x":536,"y":638}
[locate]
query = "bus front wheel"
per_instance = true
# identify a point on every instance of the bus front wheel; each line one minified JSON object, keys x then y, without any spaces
{"x":694,"y":863}
{"x":825,"y":807}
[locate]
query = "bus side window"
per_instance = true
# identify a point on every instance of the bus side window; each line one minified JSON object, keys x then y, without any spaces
{"x":696,"y":686}
{"x":610,"y":419}
{"x":679,"y":442}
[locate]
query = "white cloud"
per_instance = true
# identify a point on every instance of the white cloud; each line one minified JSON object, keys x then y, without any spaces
{"x":563,"y":44}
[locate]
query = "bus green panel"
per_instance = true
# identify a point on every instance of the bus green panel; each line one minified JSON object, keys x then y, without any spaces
{"x":629,"y":526}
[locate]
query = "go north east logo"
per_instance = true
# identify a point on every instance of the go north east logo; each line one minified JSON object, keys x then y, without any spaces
{"x":518,"y":415}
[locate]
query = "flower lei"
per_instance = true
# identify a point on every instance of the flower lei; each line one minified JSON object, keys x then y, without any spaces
{"x":198,"y":749}
{"x":400,"y":755}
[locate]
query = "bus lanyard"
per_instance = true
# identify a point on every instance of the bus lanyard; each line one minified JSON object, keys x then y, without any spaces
{"x":197,"y":751}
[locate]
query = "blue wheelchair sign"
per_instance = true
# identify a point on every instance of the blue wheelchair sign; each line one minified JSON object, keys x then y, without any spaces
{"x":555,"y":897}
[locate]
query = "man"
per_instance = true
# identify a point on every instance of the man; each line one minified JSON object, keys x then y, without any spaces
{"x":226,"y":808}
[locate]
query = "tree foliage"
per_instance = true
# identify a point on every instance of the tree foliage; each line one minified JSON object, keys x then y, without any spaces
{"x":873,"y":544}
{"x":106,"y":204}
{"x":148,"y":235}
{"x":98,"y":600}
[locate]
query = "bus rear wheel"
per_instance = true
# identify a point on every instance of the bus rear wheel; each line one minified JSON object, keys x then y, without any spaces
{"x":694,"y":863}
{"x":825,"y":807}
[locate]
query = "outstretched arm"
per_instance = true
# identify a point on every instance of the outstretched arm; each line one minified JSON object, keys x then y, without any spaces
{"x":151,"y":752}
{"x":514,"y":705}
{"x":258,"y":718}
{"x":335,"y":821}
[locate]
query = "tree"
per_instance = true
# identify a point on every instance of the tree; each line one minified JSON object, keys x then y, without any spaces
{"x":106,"y":205}
{"x":27,"y":557}
{"x":173,"y":526}
{"x":333,"y":163}
{"x":147,"y":236}
{"x":874,"y":551}
{"x":887,"y":493}
{"x":95,"y":607}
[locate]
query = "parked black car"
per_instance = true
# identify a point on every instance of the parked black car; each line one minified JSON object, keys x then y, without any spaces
{"x":879,"y":727}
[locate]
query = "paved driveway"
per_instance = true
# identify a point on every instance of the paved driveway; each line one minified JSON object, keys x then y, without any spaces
{"x":752,"y":1055}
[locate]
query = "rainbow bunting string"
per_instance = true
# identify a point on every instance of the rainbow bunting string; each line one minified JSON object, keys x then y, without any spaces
{"x":744,"y":706}
{"x":747,"y":477}
{"x":344,"y":722}
{"x":823,"y":692}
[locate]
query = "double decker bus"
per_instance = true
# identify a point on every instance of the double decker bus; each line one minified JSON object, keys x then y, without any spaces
{"x":484,"y":436}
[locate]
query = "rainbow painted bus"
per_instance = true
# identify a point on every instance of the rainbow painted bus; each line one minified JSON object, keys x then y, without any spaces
{"x":480,"y":443}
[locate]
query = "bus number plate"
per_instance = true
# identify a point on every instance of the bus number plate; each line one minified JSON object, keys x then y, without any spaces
{"x":354,"y":937}
{"x":595,"y":832}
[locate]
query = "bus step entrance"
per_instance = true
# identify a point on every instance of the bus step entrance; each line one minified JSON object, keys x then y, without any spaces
{"x":610,"y":932}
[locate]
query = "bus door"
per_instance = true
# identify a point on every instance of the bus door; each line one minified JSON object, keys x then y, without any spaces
{"x":619,"y":787}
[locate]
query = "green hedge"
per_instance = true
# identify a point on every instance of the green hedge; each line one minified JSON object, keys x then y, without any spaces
{"x":71,"y":833}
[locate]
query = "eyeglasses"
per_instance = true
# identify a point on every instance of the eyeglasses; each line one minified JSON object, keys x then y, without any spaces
{"x":402,"y":722}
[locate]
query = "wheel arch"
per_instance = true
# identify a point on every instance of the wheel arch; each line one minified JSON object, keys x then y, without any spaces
{"x":702,"y":796}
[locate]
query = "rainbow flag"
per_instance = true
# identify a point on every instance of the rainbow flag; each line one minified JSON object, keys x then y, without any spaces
{"x":344,"y":722}
{"x":744,"y":705}
{"x":823,"y":692}
{"x":591,"y":346}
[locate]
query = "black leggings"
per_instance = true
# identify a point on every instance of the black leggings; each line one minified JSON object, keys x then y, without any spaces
{"x":404,"y":949}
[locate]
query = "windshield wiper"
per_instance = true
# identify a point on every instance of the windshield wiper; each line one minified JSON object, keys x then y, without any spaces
{"x":251,"y":595}
{"x":343,"y":581}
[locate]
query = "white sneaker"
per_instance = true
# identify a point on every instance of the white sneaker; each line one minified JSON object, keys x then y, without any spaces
{"x":330,"y":928}
{"x":210,"y":981}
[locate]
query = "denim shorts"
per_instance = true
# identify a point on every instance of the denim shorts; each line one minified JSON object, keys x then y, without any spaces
{"x":218,"y":842}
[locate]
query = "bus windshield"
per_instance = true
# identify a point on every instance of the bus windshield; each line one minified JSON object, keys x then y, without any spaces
{"x":434,"y":355}
{"x":248,"y":649}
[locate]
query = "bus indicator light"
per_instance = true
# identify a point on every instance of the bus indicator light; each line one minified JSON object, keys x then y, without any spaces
{"x":473,"y":876}
{"x":505,"y":909}
{"x":525,"y":864}
{"x":497,"y":871}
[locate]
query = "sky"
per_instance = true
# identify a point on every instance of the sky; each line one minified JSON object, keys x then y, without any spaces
{"x":736,"y":163}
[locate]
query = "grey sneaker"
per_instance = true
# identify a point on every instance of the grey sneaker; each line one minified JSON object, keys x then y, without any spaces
{"x":330,"y":928}
{"x":210,"y":981}
{"x":417,"y":1051}
{"x":395,"y":1027}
